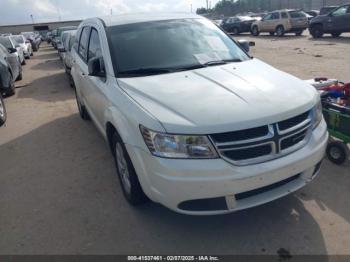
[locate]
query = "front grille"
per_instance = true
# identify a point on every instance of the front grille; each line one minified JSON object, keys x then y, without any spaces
{"x":260,"y":144}
{"x":286,"y":124}
{"x":247,"y":153}
{"x":241,"y":135}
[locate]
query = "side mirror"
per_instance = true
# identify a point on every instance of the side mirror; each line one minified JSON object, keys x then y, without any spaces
{"x":12,"y":50}
{"x":246,"y":44}
{"x":96,"y":67}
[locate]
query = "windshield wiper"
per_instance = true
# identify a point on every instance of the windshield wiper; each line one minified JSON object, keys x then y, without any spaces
{"x":146,"y":71}
{"x":221,"y":62}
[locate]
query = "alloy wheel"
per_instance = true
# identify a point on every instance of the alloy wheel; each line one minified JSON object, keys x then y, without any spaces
{"x":122,"y":167}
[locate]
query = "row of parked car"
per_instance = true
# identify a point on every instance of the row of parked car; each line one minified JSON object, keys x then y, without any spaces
{"x":330,"y":20}
{"x":14,"y":50}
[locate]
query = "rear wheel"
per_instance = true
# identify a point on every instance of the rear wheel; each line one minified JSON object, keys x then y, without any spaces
{"x":299,"y":33}
{"x":20,"y":76}
{"x":337,"y":152}
{"x":235,"y":31}
{"x":335,"y":35}
{"x":127,"y":175}
{"x":255,"y":31}
{"x":272,"y":33}
{"x":12,"y":88}
{"x":280,"y":31}
{"x":3,"y":114}
{"x":317,"y":31}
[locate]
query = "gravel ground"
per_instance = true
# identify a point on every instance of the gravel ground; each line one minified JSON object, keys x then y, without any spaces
{"x":59,"y":193}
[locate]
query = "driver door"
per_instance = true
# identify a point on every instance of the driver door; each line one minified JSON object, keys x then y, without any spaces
{"x":339,"y":19}
{"x":266,"y":23}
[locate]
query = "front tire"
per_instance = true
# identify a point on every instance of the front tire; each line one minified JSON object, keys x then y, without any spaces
{"x":3,"y":114}
{"x":337,"y":152}
{"x":12,"y":88}
{"x":335,"y":35}
{"x":129,"y":181}
{"x":317,"y":31}
{"x":280,"y":31}
{"x":299,"y":33}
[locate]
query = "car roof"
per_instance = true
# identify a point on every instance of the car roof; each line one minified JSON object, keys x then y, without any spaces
{"x":144,"y":17}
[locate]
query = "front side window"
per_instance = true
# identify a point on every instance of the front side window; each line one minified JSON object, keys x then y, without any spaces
{"x":94,"y":45}
{"x":284,"y":15}
{"x":275,"y":16}
{"x":173,"y":44}
{"x":268,"y":17}
{"x":84,"y":42}
{"x":340,"y":11}
{"x":296,"y":14}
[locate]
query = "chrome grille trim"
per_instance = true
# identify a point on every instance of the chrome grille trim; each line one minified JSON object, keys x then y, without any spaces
{"x":275,"y":138}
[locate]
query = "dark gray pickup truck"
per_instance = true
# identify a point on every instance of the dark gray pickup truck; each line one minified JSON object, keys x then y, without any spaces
{"x":334,"y":23}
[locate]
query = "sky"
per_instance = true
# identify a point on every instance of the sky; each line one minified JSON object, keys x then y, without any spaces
{"x":20,"y":11}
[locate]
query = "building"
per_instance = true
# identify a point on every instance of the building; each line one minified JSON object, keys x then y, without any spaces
{"x":15,"y":29}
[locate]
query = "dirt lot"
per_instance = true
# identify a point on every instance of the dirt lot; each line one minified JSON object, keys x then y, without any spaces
{"x":59,"y":193}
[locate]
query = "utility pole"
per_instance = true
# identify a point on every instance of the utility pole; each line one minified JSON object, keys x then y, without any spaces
{"x":32,"y":18}
{"x":207,"y":4}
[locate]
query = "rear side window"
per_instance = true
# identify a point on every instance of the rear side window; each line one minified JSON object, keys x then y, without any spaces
{"x":296,"y":14}
{"x":94,"y":45}
{"x":83,"y":43}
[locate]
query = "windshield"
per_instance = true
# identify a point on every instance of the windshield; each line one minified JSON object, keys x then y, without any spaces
{"x":172,"y":44}
{"x":18,"y":39}
{"x":5,"y":41}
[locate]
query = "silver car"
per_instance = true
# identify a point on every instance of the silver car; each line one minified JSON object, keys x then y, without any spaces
{"x":21,"y":41}
{"x":9,"y":44}
{"x":68,"y":59}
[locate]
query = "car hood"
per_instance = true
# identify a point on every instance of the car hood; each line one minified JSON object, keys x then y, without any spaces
{"x":319,"y":18}
{"x":216,"y":99}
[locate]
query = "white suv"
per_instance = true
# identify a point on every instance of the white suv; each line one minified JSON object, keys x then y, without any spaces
{"x":192,"y":120}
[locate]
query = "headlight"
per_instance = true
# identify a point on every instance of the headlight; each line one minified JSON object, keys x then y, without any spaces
{"x":178,"y":146}
{"x":317,"y":114}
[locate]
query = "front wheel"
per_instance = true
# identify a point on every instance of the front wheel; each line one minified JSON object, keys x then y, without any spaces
{"x":317,"y":31}
{"x":3,"y":114}
{"x":280,"y":31}
{"x":299,"y":33}
{"x":127,"y":175}
{"x":337,"y":152}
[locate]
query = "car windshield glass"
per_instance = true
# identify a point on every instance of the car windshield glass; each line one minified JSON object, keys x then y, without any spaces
{"x":5,"y":41}
{"x":18,"y":39}
{"x":165,"y":46}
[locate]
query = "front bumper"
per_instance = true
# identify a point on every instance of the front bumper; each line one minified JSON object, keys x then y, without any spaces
{"x":205,"y":187}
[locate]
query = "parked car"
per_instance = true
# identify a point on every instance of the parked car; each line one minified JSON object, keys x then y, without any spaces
{"x":33,"y":39}
{"x":60,"y":47}
{"x":10,"y":44}
{"x":192,"y":120}
{"x":57,"y":40}
{"x":21,"y":41}
{"x":238,"y":24}
{"x":53,"y":37}
{"x":3,"y":114}
{"x":281,"y":22}
{"x":68,"y":58}
{"x":49,"y":37}
{"x":334,"y":23}
{"x":10,"y":70}
{"x":327,"y":9}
